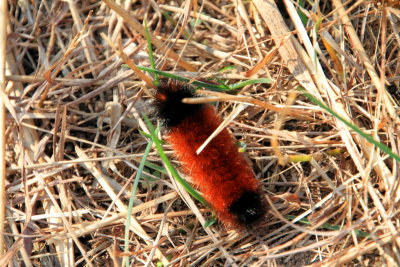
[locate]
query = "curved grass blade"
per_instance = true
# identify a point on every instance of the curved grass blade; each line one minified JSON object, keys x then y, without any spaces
{"x":368,"y":137}
{"x":248,"y":82}
{"x":131,"y":200}
{"x":214,"y":87}
{"x":150,"y":49}
{"x":169,"y":166}
{"x":184,"y":79}
{"x":329,"y":226}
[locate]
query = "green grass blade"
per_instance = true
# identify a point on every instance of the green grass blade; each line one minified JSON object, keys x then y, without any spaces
{"x":302,"y":16}
{"x":155,"y":167}
{"x":329,"y":226}
{"x":169,"y":166}
{"x":248,"y":82}
{"x":184,"y":79}
{"x":221,"y":87}
{"x":151,"y":57}
{"x":131,"y":200}
{"x":368,"y":137}
{"x":227,"y":68}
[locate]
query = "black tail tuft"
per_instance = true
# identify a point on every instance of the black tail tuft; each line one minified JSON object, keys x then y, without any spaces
{"x":249,"y":209}
{"x":169,"y":107}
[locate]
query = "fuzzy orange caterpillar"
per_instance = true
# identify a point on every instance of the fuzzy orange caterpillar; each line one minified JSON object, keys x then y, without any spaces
{"x":220,"y":172}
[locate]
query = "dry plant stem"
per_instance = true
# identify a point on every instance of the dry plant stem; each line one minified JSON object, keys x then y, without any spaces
{"x":130,"y":63}
{"x":3,"y":55}
{"x":139,"y":27}
{"x":320,"y":204}
{"x":279,"y":122}
{"x":327,"y":37}
{"x":53,"y":205}
{"x":383,"y":45}
{"x":189,"y":5}
{"x":29,"y":139}
{"x":271,"y":53}
{"x":355,"y":251}
{"x":323,"y":85}
{"x":29,"y":126}
{"x":243,"y":13}
{"x":84,"y":229}
{"x":66,"y":258}
{"x":55,"y":68}
{"x":233,"y":30}
{"x":90,"y":56}
{"x":229,"y":57}
{"x":279,"y":30}
{"x":245,"y":99}
{"x":15,"y":231}
{"x":189,"y":201}
{"x":66,"y":81}
{"x":369,"y":66}
{"x":104,"y":180}
{"x":222,"y":126}
{"x":7,"y":256}
{"x":333,"y":94}
{"x":301,"y":229}
{"x":110,"y":83}
{"x":88,"y":82}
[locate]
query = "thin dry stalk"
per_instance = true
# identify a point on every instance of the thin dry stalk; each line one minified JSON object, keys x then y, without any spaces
{"x":3,"y":82}
{"x":369,"y":66}
{"x":138,"y":27}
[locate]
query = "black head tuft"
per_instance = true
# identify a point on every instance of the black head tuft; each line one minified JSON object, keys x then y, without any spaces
{"x":249,"y":208}
{"x":169,"y":107}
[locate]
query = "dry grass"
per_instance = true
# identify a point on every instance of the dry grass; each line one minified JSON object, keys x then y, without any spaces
{"x":73,"y":144}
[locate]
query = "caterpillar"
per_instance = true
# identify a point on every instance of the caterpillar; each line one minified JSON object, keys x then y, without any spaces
{"x":220,"y":171}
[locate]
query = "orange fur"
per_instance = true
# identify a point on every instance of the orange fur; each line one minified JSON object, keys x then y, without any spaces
{"x":219,"y":171}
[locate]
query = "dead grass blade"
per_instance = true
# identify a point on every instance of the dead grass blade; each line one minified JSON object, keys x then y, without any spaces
{"x":138,"y":27}
{"x":3,"y":135}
